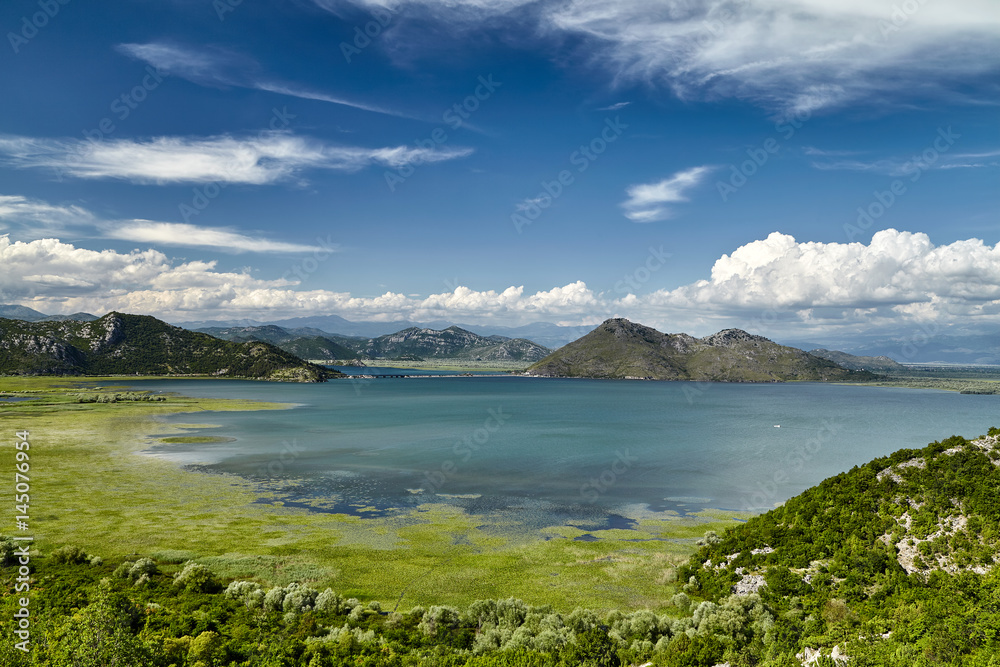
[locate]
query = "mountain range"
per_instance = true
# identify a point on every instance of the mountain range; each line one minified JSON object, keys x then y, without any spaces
{"x":619,"y":348}
{"x":879,"y":364}
{"x":119,"y":344}
{"x":413,"y":343}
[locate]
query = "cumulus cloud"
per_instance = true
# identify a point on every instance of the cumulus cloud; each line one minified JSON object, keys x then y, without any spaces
{"x":645,"y":201}
{"x":792,"y":55}
{"x":898,"y":277}
{"x":776,"y":285}
{"x":263,"y":159}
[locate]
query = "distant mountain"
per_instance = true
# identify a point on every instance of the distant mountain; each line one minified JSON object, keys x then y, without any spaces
{"x":878,"y":364}
{"x":119,"y":344}
{"x":306,"y":343}
{"x":333,"y":326}
{"x":325,"y":325}
{"x":453,"y":343}
{"x":21,"y":313}
{"x":619,"y":348}
{"x":917,"y":346}
{"x":28,"y":315}
{"x":544,"y":333}
{"x":75,"y":317}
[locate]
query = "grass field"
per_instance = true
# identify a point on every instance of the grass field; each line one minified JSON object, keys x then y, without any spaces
{"x":90,"y":487}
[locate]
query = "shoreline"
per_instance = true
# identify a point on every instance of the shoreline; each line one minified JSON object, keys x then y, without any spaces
{"x":94,"y":493}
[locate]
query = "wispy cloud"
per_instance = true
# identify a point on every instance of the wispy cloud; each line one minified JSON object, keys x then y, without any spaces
{"x":615,"y":107}
{"x":221,"y":68}
{"x":899,"y":166}
{"x":40,"y":216}
{"x":645,"y":201}
{"x":267,"y":158}
{"x":192,"y":236}
{"x":38,"y":220}
{"x":788,"y":55}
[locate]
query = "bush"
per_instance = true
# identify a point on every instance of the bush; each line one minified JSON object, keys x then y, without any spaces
{"x":134,"y":571}
{"x":196,"y":577}
{"x":6,"y":552}
{"x":70,"y":555}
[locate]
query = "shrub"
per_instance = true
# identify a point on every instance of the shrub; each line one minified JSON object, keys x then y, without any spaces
{"x":249,"y":593}
{"x":6,"y":552}
{"x":329,"y":601}
{"x":195,"y":577}
{"x":70,"y":555}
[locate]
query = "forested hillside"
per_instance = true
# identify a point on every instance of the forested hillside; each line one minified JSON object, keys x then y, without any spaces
{"x":120,"y":344}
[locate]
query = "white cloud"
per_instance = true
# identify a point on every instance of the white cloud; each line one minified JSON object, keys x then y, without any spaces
{"x":39,"y":219}
{"x":899,"y":276}
{"x":182,"y":234}
{"x":771,"y":286}
{"x":39,"y":216}
{"x":645,"y":201}
{"x":263,"y":159}
{"x":793,"y":55}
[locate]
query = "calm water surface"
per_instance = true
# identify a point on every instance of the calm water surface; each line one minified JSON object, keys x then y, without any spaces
{"x":559,"y":449}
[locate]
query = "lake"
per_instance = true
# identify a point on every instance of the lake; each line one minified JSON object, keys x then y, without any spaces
{"x":555,"y":450}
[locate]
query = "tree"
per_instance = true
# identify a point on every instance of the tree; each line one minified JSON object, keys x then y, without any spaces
{"x":103,"y":634}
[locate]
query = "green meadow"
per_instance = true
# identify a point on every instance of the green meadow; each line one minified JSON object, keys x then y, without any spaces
{"x":91,"y":487}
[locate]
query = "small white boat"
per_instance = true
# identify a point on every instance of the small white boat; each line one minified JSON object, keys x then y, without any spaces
{"x":777,"y":426}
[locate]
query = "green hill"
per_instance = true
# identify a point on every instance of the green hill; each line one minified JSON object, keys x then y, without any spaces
{"x":879,"y":364}
{"x":892,"y":563}
{"x":119,"y":344}
{"x":619,"y":348}
{"x":305,"y":343}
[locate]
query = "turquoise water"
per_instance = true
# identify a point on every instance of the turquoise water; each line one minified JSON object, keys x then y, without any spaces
{"x":560,"y":449}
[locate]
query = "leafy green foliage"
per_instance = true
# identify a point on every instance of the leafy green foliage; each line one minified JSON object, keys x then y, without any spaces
{"x":831,"y":562}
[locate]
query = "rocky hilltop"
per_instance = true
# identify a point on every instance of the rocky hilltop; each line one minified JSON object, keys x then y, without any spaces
{"x":120,"y":344}
{"x":896,"y":557}
{"x":619,"y":348}
{"x":453,"y":342}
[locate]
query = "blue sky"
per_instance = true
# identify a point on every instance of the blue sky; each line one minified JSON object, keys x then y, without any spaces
{"x":792,"y":167}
